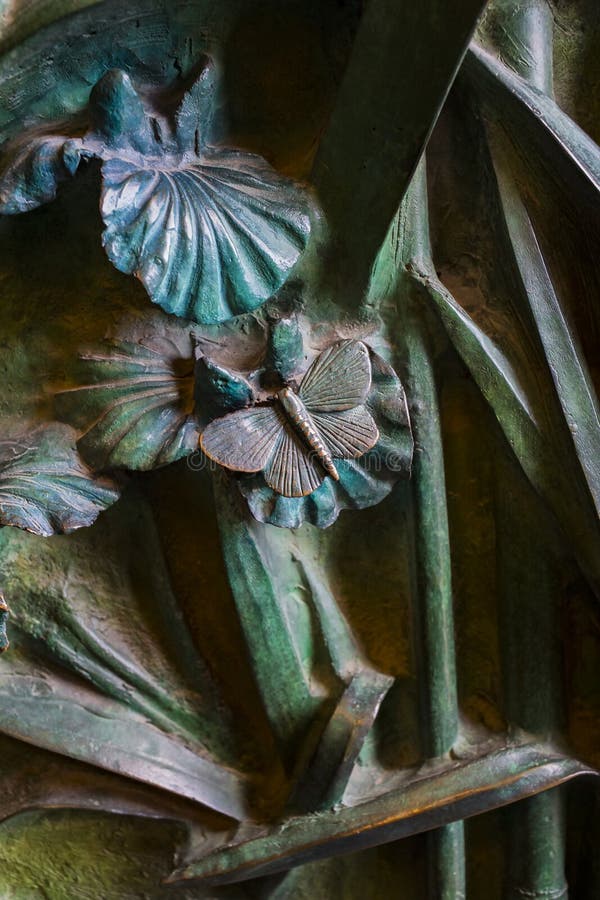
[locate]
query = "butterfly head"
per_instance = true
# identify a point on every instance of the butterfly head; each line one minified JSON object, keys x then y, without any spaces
{"x":272,"y":382}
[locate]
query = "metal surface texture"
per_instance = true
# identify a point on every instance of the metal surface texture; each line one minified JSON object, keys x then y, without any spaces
{"x":300,"y":563}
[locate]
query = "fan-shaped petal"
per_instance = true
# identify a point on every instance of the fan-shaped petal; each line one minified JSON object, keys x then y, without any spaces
{"x":134,"y":405}
{"x":209,"y":239}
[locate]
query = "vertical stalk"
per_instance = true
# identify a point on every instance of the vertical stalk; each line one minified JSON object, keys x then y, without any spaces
{"x":433,"y":578}
{"x":529,"y":584}
{"x":446,"y":854}
{"x":432,"y":551}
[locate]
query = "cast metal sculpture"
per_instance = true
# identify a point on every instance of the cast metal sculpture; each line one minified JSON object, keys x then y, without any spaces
{"x":211,"y":232}
{"x":316,"y":317}
{"x":296,"y":439}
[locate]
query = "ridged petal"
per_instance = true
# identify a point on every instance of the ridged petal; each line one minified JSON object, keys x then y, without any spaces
{"x":209,"y":239}
{"x":133,"y":406}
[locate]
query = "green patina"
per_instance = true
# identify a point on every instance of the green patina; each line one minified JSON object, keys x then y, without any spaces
{"x":271,"y":672}
{"x":86,"y":855}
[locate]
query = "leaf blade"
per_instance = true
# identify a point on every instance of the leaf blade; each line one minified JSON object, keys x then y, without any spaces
{"x":381,"y":125}
{"x":44,"y":486}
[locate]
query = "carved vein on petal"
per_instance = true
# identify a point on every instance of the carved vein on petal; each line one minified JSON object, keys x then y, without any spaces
{"x":137,"y":412}
{"x":209,"y":239}
{"x":45,"y":488}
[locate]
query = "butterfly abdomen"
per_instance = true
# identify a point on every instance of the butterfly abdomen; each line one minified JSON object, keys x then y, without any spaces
{"x":299,"y":416}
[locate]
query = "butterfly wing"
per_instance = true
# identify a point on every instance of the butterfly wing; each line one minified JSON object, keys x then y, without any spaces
{"x":293,"y":470}
{"x":338,"y":379}
{"x":244,"y":440}
{"x":348,"y":433}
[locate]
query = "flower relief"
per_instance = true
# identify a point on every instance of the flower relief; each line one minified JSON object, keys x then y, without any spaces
{"x":144,"y":403}
{"x":212,"y":232}
{"x":309,"y":436}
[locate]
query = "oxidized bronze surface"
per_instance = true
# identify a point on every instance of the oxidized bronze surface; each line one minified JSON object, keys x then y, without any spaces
{"x":352,"y":650}
{"x":296,"y":440}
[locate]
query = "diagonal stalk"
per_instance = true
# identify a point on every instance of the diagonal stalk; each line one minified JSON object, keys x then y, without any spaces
{"x":381,"y":124}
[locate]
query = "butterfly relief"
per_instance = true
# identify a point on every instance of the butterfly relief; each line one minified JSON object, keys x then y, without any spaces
{"x":294,"y":438}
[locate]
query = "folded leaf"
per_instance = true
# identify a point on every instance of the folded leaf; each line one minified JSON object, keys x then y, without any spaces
{"x":49,"y":711}
{"x":44,"y":486}
{"x":574,"y":390}
{"x":539,"y":126}
{"x":258,"y":568}
{"x":113,"y":666}
{"x":529,"y":433}
{"x":450,"y":792}
{"x":32,"y":168}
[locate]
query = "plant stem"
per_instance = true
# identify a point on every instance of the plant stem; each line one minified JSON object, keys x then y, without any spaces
{"x":529,"y":582}
{"x":433,"y":576}
{"x":529,"y":585}
{"x":381,"y":124}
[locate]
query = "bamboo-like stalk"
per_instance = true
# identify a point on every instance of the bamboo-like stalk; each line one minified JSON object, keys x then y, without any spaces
{"x":529,"y":589}
{"x":433,"y":578}
{"x":446,"y":850}
{"x":529,"y":586}
{"x":432,"y":551}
